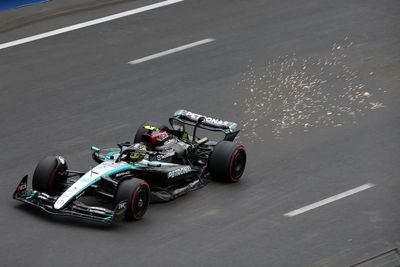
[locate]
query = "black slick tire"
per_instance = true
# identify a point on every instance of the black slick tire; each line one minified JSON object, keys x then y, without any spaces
{"x":136,"y":193}
{"x":227,"y":162}
{"x":48,"y":174}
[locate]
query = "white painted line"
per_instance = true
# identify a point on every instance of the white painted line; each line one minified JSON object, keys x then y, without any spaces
{"x":171,"y":51}
{"x":88,"y":23}
{"x":329,"y":200}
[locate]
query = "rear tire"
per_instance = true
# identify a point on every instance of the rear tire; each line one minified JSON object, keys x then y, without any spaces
{"x":141,"y":131}
{"x":227,"y":162}
{"x":48,"y":175}
{"x":136,"y":192}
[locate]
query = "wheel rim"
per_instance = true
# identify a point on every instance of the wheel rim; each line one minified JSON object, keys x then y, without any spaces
{"x":140,"y":203}
{"x":238,"y":164}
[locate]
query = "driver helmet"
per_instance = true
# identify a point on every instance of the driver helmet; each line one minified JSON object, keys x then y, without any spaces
{"x":138,"y":152}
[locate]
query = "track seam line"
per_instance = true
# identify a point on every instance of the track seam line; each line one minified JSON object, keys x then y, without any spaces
{"x":171,"y":51}
{"x":88,"y":23}
{"x":329,"y":200}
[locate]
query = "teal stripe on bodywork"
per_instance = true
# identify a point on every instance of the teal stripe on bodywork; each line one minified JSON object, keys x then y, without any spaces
{"x":179,"y":112}
{"x":232,"y":126}
{"x":109,"y":218}
{"x":32,"y":195}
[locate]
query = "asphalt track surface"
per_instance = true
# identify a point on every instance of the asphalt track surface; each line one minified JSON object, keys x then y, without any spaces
{"x":61,"y":94}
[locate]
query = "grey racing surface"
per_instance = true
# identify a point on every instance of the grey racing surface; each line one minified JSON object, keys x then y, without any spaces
{"x":313,"y":84}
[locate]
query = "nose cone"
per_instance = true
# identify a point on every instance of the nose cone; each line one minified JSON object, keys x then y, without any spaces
{"x":84,"y":182}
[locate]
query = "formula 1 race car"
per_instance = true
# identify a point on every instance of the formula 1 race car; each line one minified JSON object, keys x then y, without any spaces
{"x":162,"y":163}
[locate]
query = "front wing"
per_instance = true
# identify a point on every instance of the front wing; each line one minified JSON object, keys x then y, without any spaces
{"x":74,"y":209}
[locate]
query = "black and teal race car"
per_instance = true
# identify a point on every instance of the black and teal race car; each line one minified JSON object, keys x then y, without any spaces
{"x":173,"y":164}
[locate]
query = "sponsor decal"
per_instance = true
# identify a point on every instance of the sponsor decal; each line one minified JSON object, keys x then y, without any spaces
{"x":168,"y":154}
{"x":22,"y":187}
{"x":179,"y":172}
{"x":122,"y":205}
{"x":162,"y":136}
{"x":168,"y":141}
{"x":210,"y":120}
{"x":122,"y":173}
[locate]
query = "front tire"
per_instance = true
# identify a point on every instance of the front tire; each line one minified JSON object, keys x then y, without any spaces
{"x":49,"y":174}
{"x":136,"y":192}
{"x":227,"y":162}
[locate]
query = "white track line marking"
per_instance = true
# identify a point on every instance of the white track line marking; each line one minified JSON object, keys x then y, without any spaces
{"x":88,"y":23}
{"x":329,"y":200}
{"x":171,"y":51}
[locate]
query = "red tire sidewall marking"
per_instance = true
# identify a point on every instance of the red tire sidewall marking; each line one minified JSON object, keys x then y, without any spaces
{"x":142,"y":185}
{"x":240,"y":149}
{"x":52,"y":175}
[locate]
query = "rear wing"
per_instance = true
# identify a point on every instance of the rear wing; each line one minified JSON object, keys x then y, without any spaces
{"x":209,"y":123}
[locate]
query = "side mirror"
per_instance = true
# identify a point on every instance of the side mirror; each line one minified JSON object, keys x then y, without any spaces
{"x":95,"y":149}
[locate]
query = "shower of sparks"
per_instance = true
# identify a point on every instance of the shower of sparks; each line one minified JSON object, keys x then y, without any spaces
{"x":293,"y":93}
